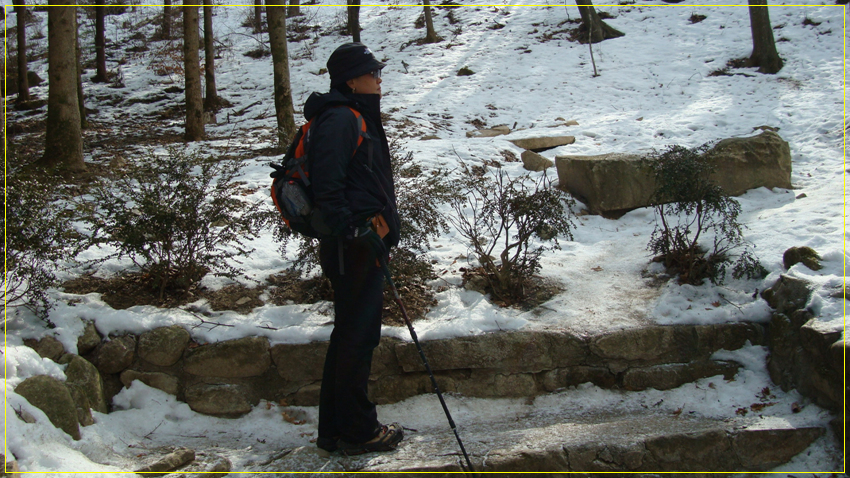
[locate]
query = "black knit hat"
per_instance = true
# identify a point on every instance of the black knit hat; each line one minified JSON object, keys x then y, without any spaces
{"x":350,"y":61}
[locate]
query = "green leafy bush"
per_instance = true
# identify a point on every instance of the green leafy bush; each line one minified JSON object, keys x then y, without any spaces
{"x":690,"y":210}
{"x":177,"y":217}
{"x":38,"y":237}
{"x":502,"y":215}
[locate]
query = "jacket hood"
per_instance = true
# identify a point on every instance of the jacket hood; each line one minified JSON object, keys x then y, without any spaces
{"x":369,"y":105}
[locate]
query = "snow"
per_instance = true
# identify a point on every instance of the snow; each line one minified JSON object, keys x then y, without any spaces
{"x":653,"y":91}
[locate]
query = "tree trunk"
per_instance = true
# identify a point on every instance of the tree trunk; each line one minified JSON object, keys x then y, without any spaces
{"x":764,"y":54}
{"x":192,"y":67}
{"x":276,"y":19}
{"x":23,"y":82}
{"x":294,"y":9}
{"x":258,"y":16}
{"x":100,"y":43}
{"x":80,"y":98}
{"x":354,"y":21}
{"x":211,"y":100}
{"x":166,"y":20}
{"x":430,"y":34}
{"x":590,"y":22}
{"x":63,"y":139}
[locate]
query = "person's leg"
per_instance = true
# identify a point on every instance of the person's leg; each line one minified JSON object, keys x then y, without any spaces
{"x":328,"y":429}
{"x":358,"y":300}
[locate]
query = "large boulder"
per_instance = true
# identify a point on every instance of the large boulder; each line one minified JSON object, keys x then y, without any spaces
{"x":82,"y":373}
{"x":542,"y":143}
{"x":89,"y":340}
{"x":116,"y":355}
{"x":535,"y":162}
{"x":300,"y":362}
{"x":611,"y":184}
{"x":245,"y":357}
{"x":228,"y":400}
{"x":51,"y":396}
{"x":163,"y":346}
{"x":162,"y":381}
{"x":47,"y":347}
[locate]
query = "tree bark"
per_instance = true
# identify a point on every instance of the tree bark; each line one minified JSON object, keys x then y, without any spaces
{"x":354,"y":21}
{"x":294,"y":9}
{"x":211,"y":99}
{"x":276,"y":18}
{"x":764,"y":53}
{"x":80,"y":98}
{"x":63,"y":139}
{"x":100,"y":43}
{"x":23,"y":81}
{"x":166,"y":20}
{"x":258,"y":16}
{"x":590,"y":22}
{"x":192,"y":68}
{"x":430,"y":34}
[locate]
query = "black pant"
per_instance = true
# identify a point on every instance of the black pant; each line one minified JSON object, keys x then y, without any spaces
{"x":344,"y":409}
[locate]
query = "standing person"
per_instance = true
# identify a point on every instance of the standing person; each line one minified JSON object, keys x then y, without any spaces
{"x":355,"y":201}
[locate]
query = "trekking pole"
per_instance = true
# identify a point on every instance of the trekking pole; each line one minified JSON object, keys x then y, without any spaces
{"x":424,"y":360}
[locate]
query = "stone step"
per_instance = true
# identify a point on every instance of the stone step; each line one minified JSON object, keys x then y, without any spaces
{"x":589,"y":443}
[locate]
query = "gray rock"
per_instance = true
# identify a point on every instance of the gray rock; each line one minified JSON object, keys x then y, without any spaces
{"x":747,"y":163}
{"x":161,"y":381}
{"x":82,"y":373}
{"x":81,"y":401}
{"x":808,"y":256}
{"x":47,"y":347}
{"x":171,"y":462}
{"x":838,"y":353}
{"x":300,"y":362}
{"x":788,"y":294}
{"x":489,"y":132}
{"x":116,"y":355}
{"x":89,"y":340}
{"x":761,"y":450}
{"x":53,"y":398}
{"x":689,"y":452}
{"x":163,"y":346}
{"x":245,"y":357}
{"x":220,"y":399}
{"x":535,"y":162}
{"x":670,"y":376}
{"x":542,"y":143}
{"x":9,"y":466}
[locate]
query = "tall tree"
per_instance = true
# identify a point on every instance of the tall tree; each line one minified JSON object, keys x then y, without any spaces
{"x":276,"y":18}
{"x":192,"y":69}
{"x":211,"y":99}
{"x":63,"y":139}
{"x":258,"y":16}
{"x":430,"y":34}
{"x":764,"y":54}
{"x":100,"y":43}
{"x":23,"y":82}
{"x":166,"y":20}
{"x":592,"y":26}
{"x":354,"y":20}
{"x":80,"y":97}
{"x":294,"y":9}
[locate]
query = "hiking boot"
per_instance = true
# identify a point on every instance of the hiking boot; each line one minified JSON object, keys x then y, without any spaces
{"x":328,"y":444}
{"x":388,"y":438}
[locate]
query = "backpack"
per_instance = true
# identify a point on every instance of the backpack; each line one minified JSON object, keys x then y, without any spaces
{"x":291,"y":188}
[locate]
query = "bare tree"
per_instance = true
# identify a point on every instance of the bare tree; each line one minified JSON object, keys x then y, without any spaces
{"x":80,"y":97}
{"x":430,"y":35}
{"x":166,"y":20}
{"x":100,"y":43}
{"x":63,"y":139}
{"x":354,"y":21}
{"x":764,"y":54}
{"x":592,"y":26}
{"x":258,"y":16}
{"x":192,"y":68}
{"x":294,"y":9}
{"x":23,"y":82}
{"x":211,"y":99}
{"x":276,"y":18}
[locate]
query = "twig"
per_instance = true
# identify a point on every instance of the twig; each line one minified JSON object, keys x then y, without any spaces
{"x":148,"y":436}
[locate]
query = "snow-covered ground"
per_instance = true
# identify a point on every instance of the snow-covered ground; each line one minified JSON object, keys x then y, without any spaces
{"x":653,"y":90}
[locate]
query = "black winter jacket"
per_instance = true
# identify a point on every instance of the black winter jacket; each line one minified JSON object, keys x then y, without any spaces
{"x":346,"y":192}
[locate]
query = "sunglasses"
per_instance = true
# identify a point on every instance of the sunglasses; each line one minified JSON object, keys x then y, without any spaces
{"x":376,"y":74}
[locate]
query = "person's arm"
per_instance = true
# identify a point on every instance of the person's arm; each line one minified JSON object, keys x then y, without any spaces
{"x":332,"y":145}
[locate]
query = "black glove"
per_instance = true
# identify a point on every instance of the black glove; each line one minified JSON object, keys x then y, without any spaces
{"x":279,"y":171}
{"x":366,"y":237}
